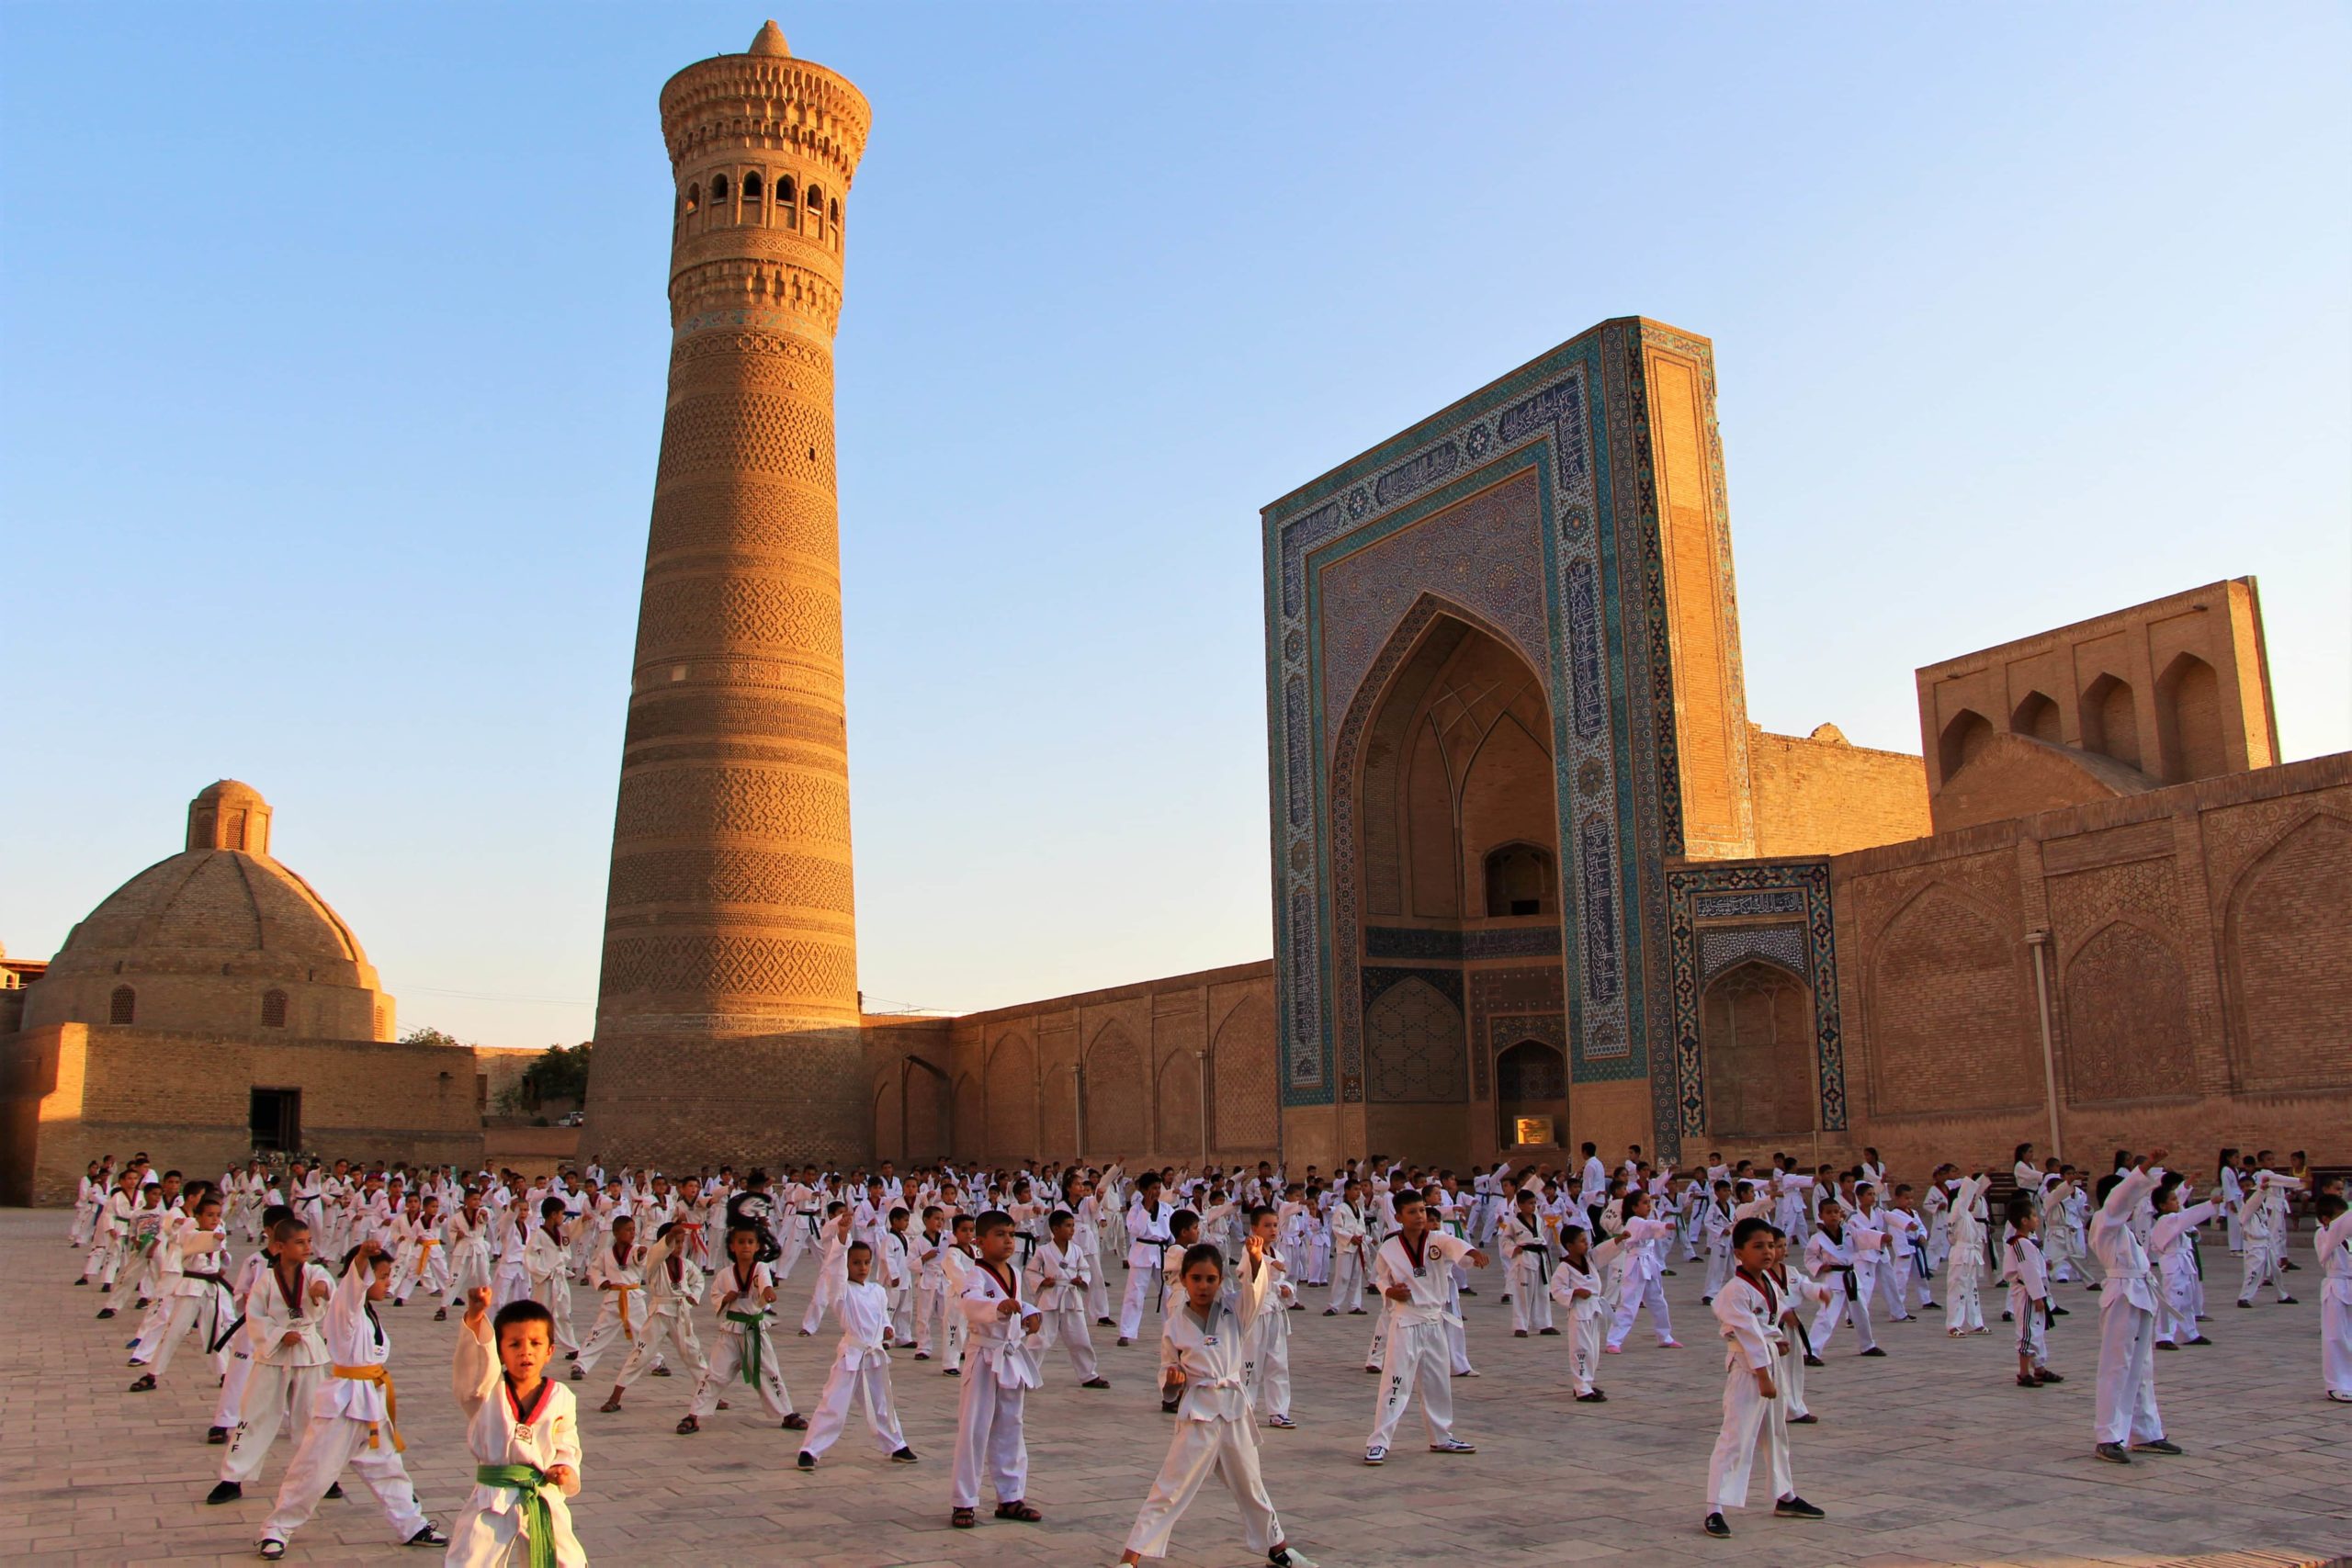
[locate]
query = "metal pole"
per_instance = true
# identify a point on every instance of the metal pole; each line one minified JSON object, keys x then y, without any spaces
{"x":2039,"y":941}
{"x":1077,"y":1107}
{"x":1202,"y":1058}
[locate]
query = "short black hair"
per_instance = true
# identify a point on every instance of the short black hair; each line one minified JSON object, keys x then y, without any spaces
{"x":524,"y":1311}
{"x":1748,"y":1230}
{"x":993,"y":1221}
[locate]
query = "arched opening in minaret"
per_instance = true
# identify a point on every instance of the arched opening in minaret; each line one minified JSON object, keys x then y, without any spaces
{"x":1457,"y":924}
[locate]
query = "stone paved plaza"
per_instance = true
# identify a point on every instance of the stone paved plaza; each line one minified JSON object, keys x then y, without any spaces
{"x":1931,"y":1455}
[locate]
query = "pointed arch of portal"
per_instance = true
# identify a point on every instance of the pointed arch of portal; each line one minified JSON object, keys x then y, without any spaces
{"x":1443,"y":755}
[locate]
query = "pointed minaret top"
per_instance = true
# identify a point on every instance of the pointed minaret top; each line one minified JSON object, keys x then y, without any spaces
{"x":770,"y":40}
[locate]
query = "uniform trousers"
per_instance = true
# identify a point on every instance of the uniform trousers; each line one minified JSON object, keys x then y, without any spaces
{"x":1224,"y":1447}
{"x":328,"y":1444}
{"x":669,"y":1335}
{"x":2126,"y":1408}
{"x":989,"y":1436}
{"x":1748,"y":1419}
{"x":272,"y":1393}
{"x":870,"y":1385}
{"x":1415,"y":1359}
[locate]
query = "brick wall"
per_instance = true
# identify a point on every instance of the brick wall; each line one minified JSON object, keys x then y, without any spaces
{"x":1003,"y":1086}
{"x":73,"y":1092}
{"x":1819,"y":795}
{"x":2196,"y":958}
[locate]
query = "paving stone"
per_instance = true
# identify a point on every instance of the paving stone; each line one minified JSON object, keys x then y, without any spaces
{"x":1928,"y":1457}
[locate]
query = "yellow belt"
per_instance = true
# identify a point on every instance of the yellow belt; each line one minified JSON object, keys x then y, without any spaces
{"x":382,"y":1378}
{"x":622,"y":1290}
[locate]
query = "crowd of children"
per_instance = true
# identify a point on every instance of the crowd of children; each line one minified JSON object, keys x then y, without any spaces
{"x":995,"y":1279}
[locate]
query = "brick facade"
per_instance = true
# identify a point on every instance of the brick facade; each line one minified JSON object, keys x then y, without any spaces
{"x":71,"y":1092}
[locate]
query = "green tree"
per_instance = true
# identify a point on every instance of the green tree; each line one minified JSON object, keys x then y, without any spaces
{"x":560,"y":1073}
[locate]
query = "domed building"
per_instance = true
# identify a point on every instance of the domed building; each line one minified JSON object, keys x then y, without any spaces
{"x":218,"y":937}
{"x":213,"y":1006}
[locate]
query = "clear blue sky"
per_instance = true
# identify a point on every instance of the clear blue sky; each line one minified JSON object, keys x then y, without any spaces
{"x":334,"y":340}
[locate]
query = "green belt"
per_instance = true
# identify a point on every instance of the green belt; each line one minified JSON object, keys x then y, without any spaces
{"x":752,"y":1337}
{"x":538,"y":1522}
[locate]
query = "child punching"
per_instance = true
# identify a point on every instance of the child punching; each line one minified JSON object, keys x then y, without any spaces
{"x":523,"y":1429}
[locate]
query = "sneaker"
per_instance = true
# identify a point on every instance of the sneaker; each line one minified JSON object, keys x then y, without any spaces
{"x":807,"y":1460}
{"x":1797,"y":1508}
{"x":2200,"y":1339}
{"x":1373,"y":1369}
{"x":1717,"y":1528}
{"x":2044,"y":1374}
{"x":2339,"y":1398}
{"x":1375,"y":1455}
{"x":921,"y":1356}
{"x":108,"y":1312}
{"x":1812,"y":1361}
{"x":661,"y":1372}
{"x":1289,"y":1557}
{"x":903,"y":1456}
{"x":1807,"y":1419}
{"x":1518,"y":1334}
{"x":2286,"y":1300}
{"x":430,"y":1534}
{"x":2158,"y":1446}
{"x":227,"y":1491}
{"x":1547,"y":1331}
{"x":1595,"y":1397}
{"x":2113,"y":1453}
{"x":336,"y":1490}
{"x":1452,"y":1446}
{"x":1873,"y":1350}
{"x":1096,"y":1383}
{"x":2247,"y":1304}
{"x":1358,"y":1312}
{"x":1330,"y":1312}
{"x":216,"y":1436}
{"x":1284,"y":1422}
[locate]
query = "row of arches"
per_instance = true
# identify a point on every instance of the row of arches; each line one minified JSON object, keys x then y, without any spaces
{"x":1951,"y":1006}
{"x":2187,"y":742}
{"x":1113,"y":1102}
{"x":759,"y":200}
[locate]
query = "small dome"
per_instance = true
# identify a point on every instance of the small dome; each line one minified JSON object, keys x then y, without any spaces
{"x":769,"y":39}
{"x":200,"y":937}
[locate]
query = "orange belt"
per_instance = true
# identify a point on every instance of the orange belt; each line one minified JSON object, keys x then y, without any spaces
{"x":382,"y":1378}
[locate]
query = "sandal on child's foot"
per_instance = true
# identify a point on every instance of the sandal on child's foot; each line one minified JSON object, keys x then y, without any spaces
{"x":144,"y":1385}
{"x":1807,"y":1419}
{"x":923,"y":1355}
{"x":1096,"y":1383}
{"x":724,"y":1405}
{"x":1017,"y":1509}
{"x":2044,"y":1374}
{"x":963,"y":1518}
{"x":271,"y":1550}
{"x":1547,"y":1331}
{"x":2025,"y":1381}
{"x":610,"y":1404}
{"x":795,"y":1422}
{"x":661,"y":1372}
{"x":688,"y":1426}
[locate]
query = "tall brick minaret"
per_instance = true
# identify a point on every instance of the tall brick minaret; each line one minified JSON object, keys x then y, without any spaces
{"x":727,"y":1026}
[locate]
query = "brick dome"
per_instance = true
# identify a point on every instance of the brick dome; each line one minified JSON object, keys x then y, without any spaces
{"x":218,"y":937}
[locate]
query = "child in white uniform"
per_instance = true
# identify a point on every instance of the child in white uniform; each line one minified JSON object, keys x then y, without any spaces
{"x":1057,"y":1280}
{"x":1528,"y":1252}
{"x":1748,"y":1311}
{"x":1202,"y":1360}
{"x":861,"y":1368}
{"x":746,"y":1306}
{"x":1001,"y":1367}
{"x":1576,"y":1287}
{"x":2334,"y":1248}
{"x":674,"y":1288}
{"x":523,"y":1429}
{"x":1267,"y":1368}
{"x":349,"y":1420}
{"x":1414,"y":1269}
{"x":2126,"y":1405}
{"x":284,"y":1315}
